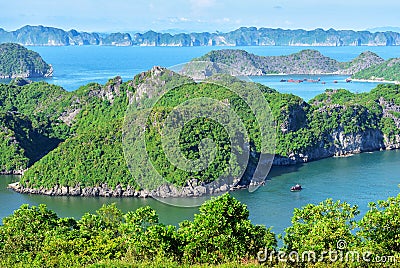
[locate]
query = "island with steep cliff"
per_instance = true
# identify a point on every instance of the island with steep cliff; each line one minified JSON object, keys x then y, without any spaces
{"x":18,"y":61}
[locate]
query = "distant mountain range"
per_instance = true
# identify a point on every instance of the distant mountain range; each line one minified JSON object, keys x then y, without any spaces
{"x":384,"y":29}
{"x":245,"y":36}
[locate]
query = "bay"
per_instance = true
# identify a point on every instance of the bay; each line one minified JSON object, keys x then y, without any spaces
{"x":75,"y":66}
{"x":357,"y":179}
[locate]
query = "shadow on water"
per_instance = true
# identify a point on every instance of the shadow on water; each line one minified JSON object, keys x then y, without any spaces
{"x":277,"y":171}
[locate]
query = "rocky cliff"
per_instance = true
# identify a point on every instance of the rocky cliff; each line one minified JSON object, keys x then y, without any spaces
{"x":347,"y":124}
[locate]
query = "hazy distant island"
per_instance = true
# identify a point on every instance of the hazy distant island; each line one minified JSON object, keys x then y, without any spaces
{"x":244,"y":36}
{"x":18,"y":61}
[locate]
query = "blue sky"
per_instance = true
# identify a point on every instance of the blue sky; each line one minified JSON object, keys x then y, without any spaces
{"x":198,"y":15}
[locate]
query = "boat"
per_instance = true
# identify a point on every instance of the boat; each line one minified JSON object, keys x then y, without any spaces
{"x":296,"y":188}
{"x":283,"y":80}
{"x":348,"y":80}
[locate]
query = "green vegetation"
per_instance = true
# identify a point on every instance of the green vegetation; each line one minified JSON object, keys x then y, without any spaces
{"x":17,"y":61}
{"x":198,"y":129}
{"x":220,"y":234}
{"x":29,"y":125}
{"x":307,"y":61}
{"x":93,"y":153}
{"x":388,"y":70}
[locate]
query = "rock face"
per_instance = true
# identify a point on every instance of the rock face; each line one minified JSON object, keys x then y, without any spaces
{"x":338,"y":142}
{"x":343,"y":145}
{"x":244,"y":36}
{"x":17,"y":61}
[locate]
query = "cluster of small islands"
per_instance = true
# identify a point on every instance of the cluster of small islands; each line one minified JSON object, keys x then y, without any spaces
{"x":244,"y":36}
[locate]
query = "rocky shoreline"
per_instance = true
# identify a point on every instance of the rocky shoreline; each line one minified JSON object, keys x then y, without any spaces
{"x":341,"y":144}
{"x":192,"y":189}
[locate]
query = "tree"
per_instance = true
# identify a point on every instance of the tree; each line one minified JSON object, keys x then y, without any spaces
{"x":222,"y":232}
{"x":23,"y":233}
{"x":380,"y":226}
{"x":320,"y":227}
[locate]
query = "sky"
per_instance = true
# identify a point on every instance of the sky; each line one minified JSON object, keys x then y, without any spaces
{"x":198,"y":15}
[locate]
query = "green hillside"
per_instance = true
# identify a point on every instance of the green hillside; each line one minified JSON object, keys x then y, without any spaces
{"x":88,"y":123}
{"x":388,"y":70}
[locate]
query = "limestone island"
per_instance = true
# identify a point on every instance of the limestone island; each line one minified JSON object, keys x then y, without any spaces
{"x":18,"y":61}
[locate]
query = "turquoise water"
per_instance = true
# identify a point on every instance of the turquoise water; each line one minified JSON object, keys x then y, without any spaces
{"x":358,"y":179}
{"x":78,"y":65}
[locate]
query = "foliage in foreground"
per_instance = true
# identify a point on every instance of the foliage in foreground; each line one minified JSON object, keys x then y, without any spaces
{"x":221,"y":234}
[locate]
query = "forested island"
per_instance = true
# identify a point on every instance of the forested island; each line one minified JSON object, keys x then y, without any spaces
{"x":82,"y":131}
{"x":18,"y":61}
{"x":244,"y":36}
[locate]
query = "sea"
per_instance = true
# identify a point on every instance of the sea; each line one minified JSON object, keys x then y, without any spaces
{"x":357,"y":179}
